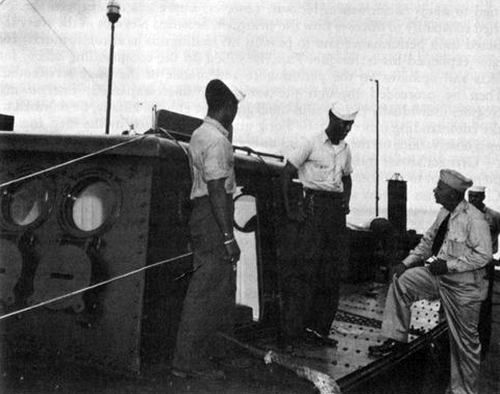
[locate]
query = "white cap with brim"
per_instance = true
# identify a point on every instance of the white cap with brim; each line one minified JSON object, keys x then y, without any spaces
{"x":344,"y":110}
{"x":477,"y":189}
{"x":455,"y":180}
{"x":235,"y":90}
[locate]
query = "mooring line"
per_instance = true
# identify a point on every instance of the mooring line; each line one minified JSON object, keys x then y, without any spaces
{"x":67,"y":163}
{"x":105,"y":282}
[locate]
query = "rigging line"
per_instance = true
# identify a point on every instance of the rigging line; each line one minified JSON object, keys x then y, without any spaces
{"x":104,"y":282}
{"x":75,"y":58}
{"x":1,"y":2}
{"x":67,"y":163}
{"x":60,"y":40}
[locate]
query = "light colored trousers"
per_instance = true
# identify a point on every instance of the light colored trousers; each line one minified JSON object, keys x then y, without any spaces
{"x":461,"y":295}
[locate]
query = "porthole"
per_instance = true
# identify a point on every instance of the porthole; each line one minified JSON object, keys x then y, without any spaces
{"x":92,"y":205}
{"x":26,"y":204}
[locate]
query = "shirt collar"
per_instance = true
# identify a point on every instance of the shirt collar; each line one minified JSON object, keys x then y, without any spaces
{"x":461,"y":207}
{"x":326,"y":139}
{"x":217,"y":125}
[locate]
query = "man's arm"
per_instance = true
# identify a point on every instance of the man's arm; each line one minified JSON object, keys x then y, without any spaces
{"x":286,"y":179}
{"x":220,"y":202}
{"x":424,"y":248}
{"x":347,"y":181}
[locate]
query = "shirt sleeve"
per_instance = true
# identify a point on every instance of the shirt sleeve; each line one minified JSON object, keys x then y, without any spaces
{"x":424,"y":248}
{"x":216,"y":161}
{"x":477,"y":248}
{"x":348,"y":163}
{"x":299,"y":155}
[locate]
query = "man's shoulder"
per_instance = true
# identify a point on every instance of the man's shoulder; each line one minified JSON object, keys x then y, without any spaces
{"x":204,"y":134}
{"x":492,"y":212}
{"x":473,"y":213}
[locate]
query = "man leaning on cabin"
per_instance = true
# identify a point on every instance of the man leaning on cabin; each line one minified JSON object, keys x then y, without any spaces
{"x":311,"y":274}
{"x":210,"y":298}
{"x":448,"y":264}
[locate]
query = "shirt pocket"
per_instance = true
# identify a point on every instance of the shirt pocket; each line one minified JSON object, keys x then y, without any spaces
{"x":457,"y":243}
{"x":319,"y":171}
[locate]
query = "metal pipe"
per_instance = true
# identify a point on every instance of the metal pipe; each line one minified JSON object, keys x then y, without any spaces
{"x":110,"y":76}
{"x":377,"y":197}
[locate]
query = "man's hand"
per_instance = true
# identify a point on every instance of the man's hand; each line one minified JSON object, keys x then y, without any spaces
{"x":345,"y":204}
{"x":233,"y":251}
{"x":438,"y":267}
{"x":399,"y":269}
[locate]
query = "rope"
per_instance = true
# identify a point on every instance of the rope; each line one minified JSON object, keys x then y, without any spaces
{"x":67,"y":163}
{"x":323,"y":382}
{"x":105,"y":282}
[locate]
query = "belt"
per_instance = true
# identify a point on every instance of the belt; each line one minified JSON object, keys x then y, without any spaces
{"x":324,"y":194}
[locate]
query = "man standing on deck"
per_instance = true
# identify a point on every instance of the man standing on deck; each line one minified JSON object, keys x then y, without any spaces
{"x":477,"y":194}
{"x":310,"y":276}
{"x":210,"y":299}
{"x":448,"y":264}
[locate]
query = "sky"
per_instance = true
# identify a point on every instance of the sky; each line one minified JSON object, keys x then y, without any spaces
{"x":436,"y":62}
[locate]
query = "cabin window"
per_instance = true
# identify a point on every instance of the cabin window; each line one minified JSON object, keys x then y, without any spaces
{"x":91,"y":206}
{"x":26,"y":204}
{"x":247,"y":282}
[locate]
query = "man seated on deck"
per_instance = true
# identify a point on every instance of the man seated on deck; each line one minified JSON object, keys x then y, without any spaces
{"x":455,"y":249}
{"x":210,"y":299}
{"x":310,"y":277}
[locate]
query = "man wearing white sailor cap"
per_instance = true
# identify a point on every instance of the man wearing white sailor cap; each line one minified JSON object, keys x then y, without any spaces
{"x":210,"y":299}
{"x":310,"y":273}
{"x":476,"y":196}
{"x":448,"y":264}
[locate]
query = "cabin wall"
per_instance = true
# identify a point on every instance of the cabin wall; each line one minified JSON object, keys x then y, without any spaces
{"x":168,"y":238}
{"x":101,"y":326}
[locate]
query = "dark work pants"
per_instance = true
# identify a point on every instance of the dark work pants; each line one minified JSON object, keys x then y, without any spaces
{"x":310,"y":271}
{"x":461,"y":294}
{"x":484,"y":327}
{"x":210,"y":298}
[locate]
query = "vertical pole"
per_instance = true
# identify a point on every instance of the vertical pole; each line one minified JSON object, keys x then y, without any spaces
{"x":110,"y":76}
{"x":377,"y":198}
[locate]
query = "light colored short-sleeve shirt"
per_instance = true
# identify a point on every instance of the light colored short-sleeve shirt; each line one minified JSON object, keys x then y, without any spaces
{"x":467,"y":243}
{"x":321,"y":165}
{"x":211,"y":157}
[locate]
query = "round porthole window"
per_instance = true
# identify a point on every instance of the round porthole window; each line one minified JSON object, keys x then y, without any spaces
{"x":91,"y":206}
{"x":26,"y":204}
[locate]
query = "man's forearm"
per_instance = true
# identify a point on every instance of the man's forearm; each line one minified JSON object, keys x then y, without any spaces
{"x":220,"y":202}
{"x":347,"y":182}
{"x":286,"y":177}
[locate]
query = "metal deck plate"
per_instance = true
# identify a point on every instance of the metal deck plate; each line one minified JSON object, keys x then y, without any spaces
{"x":356,"y":327}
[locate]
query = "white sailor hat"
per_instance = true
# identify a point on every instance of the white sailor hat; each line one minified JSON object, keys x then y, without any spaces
{"x":344,"y":110}
{"x":235,"y":90}
{"x":455,"y":180}
{"x":477,"y":189}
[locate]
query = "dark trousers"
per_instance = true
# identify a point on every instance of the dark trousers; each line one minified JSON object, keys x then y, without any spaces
{"x":210,"y":299}
{"x":310,"y":270}
{"x":484,"y":327}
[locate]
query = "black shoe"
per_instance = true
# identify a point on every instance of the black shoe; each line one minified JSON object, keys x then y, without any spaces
{"x":389,"y":346}
{"x":315,"y":338}
{"x":192,"y":373}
